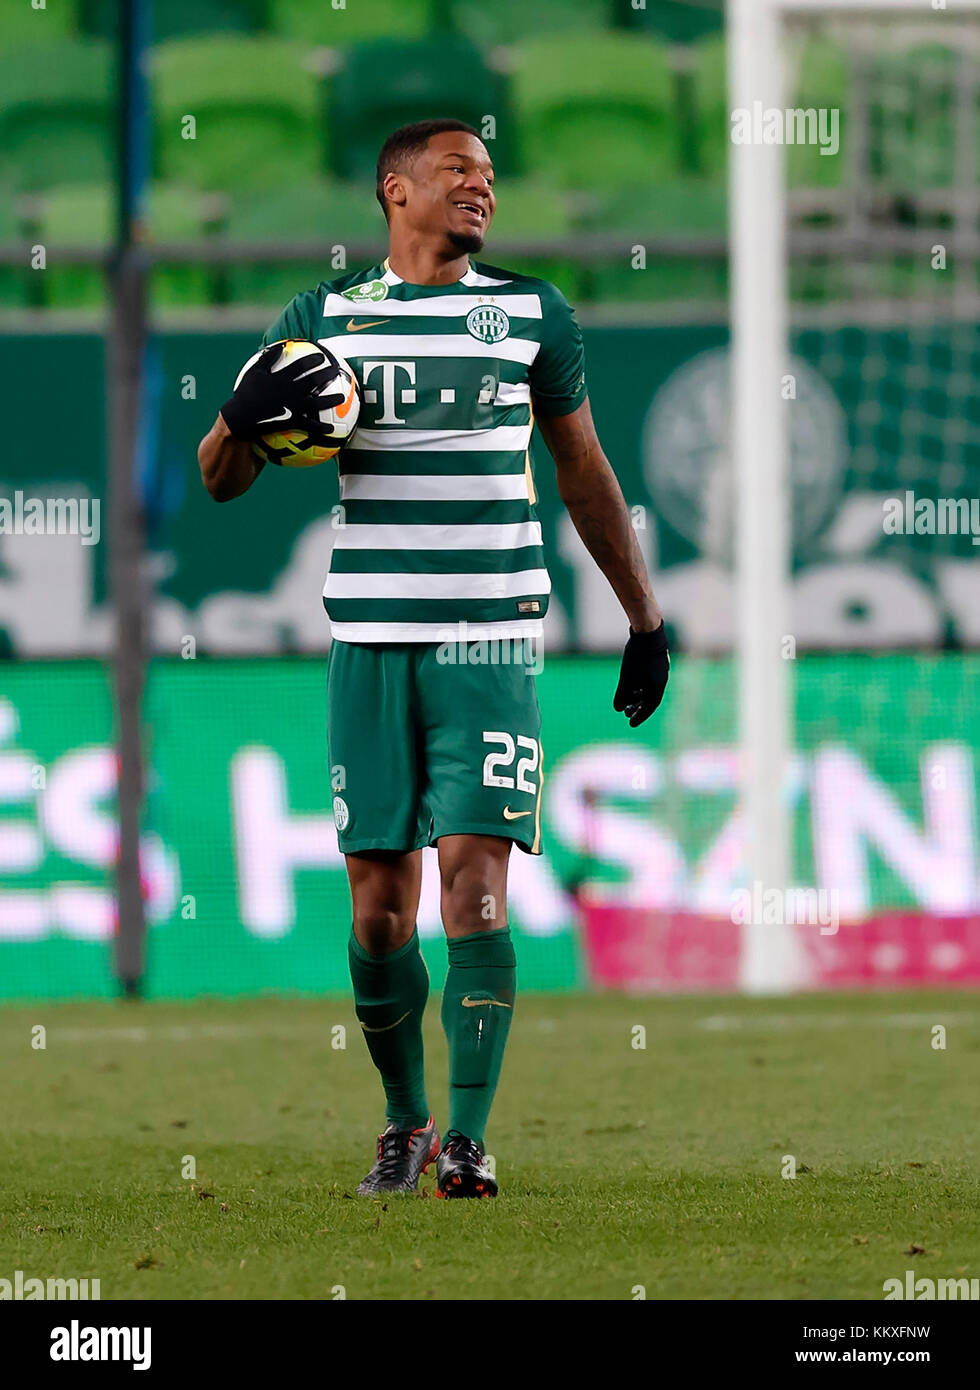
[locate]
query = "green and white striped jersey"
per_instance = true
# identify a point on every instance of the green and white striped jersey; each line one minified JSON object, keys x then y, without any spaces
{"x":438,"y":524}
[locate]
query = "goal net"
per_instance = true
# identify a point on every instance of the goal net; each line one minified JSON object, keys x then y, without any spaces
{"x":854,"y":476}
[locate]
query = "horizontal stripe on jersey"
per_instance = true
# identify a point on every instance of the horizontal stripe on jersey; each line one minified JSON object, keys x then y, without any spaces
{"x":513,"y":393}
{"x":505,"y":439}
{"x":421,"y":514}
{"x":449,"y":345}
{"x":451,"y":586}
{"x":486,"y":561}
{"x":438,"y":522}
{"x":425,"y":537}
{"x":437,"y":613}
{"x":435,"y":632}
{"x":524,"y":306}
{"x":424,"y":466}
{"x":436,"y":487}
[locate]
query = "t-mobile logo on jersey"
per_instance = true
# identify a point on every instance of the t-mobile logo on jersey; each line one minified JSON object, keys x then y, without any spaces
{"x":389,"y":392}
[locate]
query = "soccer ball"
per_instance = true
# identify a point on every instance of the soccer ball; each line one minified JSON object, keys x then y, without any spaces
{"x":339,"y":408}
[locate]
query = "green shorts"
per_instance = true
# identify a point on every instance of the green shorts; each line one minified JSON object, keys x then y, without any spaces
{"x":421,"y":746}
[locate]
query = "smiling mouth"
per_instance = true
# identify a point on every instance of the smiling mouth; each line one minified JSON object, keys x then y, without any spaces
{"x":473,"y":209}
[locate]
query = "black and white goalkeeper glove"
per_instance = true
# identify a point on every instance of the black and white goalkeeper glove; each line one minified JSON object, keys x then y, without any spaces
{"x":643,"y":675}
{"x":265,"y":400}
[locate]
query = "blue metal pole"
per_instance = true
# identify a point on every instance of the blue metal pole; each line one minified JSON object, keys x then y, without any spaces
{"x":126,"y":362}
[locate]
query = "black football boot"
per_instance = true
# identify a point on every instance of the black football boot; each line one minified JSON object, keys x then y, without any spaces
{"x":403,"y":1156}
{"x":462,"y":1170}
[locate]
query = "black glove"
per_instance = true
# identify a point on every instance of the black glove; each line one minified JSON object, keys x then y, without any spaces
{"x":263,"y":397}
{"x":643,"y":675}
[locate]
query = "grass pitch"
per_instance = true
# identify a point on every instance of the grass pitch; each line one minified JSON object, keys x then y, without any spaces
{"x":619,"y":1166}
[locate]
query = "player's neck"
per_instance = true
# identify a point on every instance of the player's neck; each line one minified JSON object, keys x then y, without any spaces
{"x":420,"y":263}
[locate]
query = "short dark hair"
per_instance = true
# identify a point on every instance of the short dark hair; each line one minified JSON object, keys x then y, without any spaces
{"x":406,"y":143}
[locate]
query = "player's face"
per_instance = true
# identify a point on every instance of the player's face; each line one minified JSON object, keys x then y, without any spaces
{"x":450,"y":190}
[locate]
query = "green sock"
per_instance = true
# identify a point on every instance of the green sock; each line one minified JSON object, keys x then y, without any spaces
{"x":389,"y":1000}
{"x":482,"y":967}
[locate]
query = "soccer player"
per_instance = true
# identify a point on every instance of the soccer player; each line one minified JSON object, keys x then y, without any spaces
{"x":437,"y":581}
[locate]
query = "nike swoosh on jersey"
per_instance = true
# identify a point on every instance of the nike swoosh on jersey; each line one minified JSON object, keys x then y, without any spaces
{"x":469,"y":1003}
{"x":353,"y":327}
{"x":515,"y":815}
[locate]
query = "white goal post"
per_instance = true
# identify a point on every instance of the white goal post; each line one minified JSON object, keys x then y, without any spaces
{"x":757,"y":73}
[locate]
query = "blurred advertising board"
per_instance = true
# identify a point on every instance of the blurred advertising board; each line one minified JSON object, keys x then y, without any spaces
{"x":640,"y":885}
{"x":881,"y":428}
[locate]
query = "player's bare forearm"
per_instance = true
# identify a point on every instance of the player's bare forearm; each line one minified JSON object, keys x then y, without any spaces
{"x":594,"y":500}
{"x":228,"y":465}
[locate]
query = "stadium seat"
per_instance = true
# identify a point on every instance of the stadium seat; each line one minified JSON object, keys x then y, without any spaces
{"x":595,"y":110}
{"x":677,"y":21}
{"x":22,"y":24}
{"x":59,"y":129}
{"x":337,"y":213}
{"x":670,"y":205}
{"x":683,"y":207}
{"x":254,"y":102}
{"x":177,"y":18}
{"x":15,"y":282}
{"x":510,"y":21}
{"x":679,"y":279}
{"x":83,"y":216}
{"x":531,"y":211}
{"x":821,"y":80}
{"x":712,"y":118}
{"x":386,"y":84}
{"x":321,"y":25}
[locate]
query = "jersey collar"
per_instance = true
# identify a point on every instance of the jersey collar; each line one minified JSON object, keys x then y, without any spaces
{"x":390,"y":278}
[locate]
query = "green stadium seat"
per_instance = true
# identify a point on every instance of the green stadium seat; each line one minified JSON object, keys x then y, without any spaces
{"x":84,"y":216}
{"x":712,"y":119}
{"x":255,"y":105}
{"x":671,"y":205}
{"x":59,"y":128}
{"x":595,"y":110}
{"x":177,"y":18}
{"x":15,"y":282}
{"x":22,"y":24}
{"x":822,"y":81}
{"x":529,"y":210}
{"x":337,"y":213}
{"x":510,"y":21}
{"x":175,"y":213}
{"x":682,"y":207}
{"x":677,"y":21}
{"x":664,"y":278}
{"x":385,"y":84}
{"x":321,"y":25}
